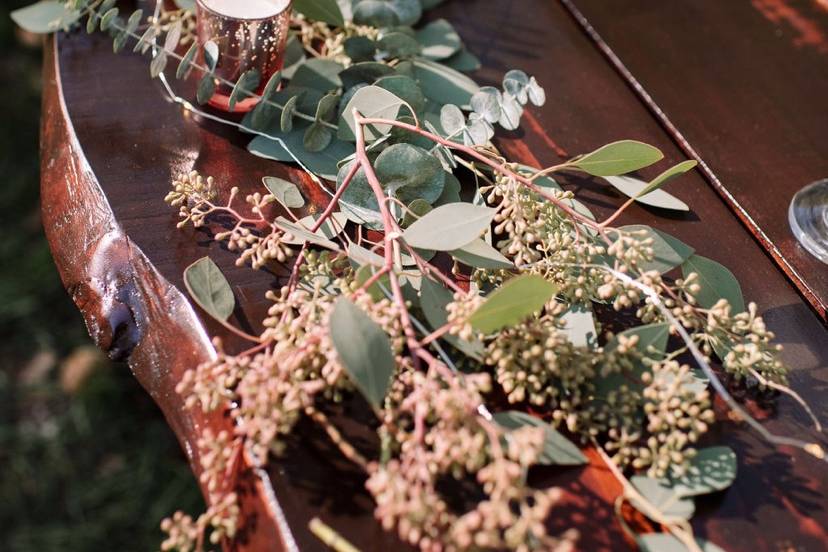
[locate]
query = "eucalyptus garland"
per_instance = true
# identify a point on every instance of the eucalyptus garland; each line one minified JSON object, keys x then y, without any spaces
{"x":379,"y":106}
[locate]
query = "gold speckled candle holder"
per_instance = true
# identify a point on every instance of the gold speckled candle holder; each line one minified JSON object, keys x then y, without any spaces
{"x":250,"y":34}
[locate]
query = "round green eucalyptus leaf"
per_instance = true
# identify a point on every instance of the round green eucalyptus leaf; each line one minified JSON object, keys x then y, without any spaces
{"x":365,"y":72}
{"x":387,"y":13}
{"x":323,"y":163}
{"x":451,"y":191}
{"x":409,"y":172}
{"x":442,"y":84}
{"x":486,"y":102}
{"x":463,"y":61}
{"x":515,"y":83}
{"x":397,"y":44}
{"x":416,"y":209}
{"x":321,"y":10}
{"x":370,"y":102}
{"x":317,"y":137}
{"x":439,"y":40}
{"x":452,"y":119}
{"x":360,"y":48}
{"x":404,"y":88}
{"x":319,"y":74}
{"x":206,"y":89}
{"x":358,"y":202}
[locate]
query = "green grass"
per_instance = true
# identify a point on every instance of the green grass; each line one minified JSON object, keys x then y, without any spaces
{"x":97,"y":469}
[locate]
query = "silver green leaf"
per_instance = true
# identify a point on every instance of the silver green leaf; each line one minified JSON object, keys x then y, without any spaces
{"x":579,"y":326}
{"x":144,"y":43}
{"x":134,"y":21}
{"x":209,"y":289}
{"x":318,"y":74}
{"x":442,"y":84}
{"x":665,"y":542}
{"x":326,"y":106}
{"x":716,"y":281}
{"x":449,"y":227}
{"x":158,"y":63}
{"x":668,"y":175}
{"x":206,"y":89}
{"x":364,"y":350}
{"x":323,"y":163}
{"x":332,"y":227}
{"x":618,"y":158}
{"x":45,"y":17}
{"x":516,"y":84}
{"x":173,"y":37}
{"x":537,"y":95}
{"x":211,"y":55}
{"x":452,"y":119}
{"x":286,"y":119}
{"x":364,"y":257}
{"x":317,"y":137}
{"x":327,"y":11}
{"x":516,"y":300}
{"x":245,"y":86}
{"x":433,"y":299}
{"x":463,"y":61}
{"x":712,"y":469}
{"x":398,"y":44}
{"x":372,"y":102}
{"x":186,"y":64}
{"x":286,"y":193}
{"x":633,"y":187}
{"x":406,"y":89}
{"x":439,"y":40}
{"x":668,"y":252}
{"x":487,"y":102}
{"x":510,"y":112}
{"x":557,"y":449}
{"x":479,"y":254}
{"x":298,"y":233}
{"x":360,"y":48}
{"x":108,"y":18}
{"x":652,"y":339}
{"x":387,"y":13}
{"x":662,"y":497}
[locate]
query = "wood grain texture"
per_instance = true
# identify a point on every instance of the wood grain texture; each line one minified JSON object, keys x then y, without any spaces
{"x":744,"y":86}
{"x":112,"y":146}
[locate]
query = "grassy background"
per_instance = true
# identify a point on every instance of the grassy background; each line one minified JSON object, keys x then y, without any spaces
{"x":87,"y":462}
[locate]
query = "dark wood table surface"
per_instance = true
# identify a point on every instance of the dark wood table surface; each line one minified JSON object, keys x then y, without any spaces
{"x":743,"y":85}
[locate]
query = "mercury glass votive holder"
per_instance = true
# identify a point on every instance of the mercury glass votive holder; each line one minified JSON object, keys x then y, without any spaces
{"x":250,"y":34}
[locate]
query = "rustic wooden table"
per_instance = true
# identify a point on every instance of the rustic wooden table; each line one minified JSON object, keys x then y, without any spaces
{"x":741,"y":84}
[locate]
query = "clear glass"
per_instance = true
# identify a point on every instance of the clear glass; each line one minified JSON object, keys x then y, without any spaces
{"x":250,"y":34}
{"x":808,"y":216}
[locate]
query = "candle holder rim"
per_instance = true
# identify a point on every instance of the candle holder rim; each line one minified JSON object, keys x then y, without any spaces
{"x":202,"y":5}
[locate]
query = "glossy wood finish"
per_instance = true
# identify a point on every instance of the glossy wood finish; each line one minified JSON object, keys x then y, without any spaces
{"x":744,"y":84}
{"x":113,"y":143}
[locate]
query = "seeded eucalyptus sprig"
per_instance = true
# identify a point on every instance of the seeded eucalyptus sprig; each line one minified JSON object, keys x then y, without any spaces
{"x":378,"y":104}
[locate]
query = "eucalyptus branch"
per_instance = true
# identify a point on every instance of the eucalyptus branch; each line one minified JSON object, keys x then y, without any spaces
{"x":204,"y":70}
